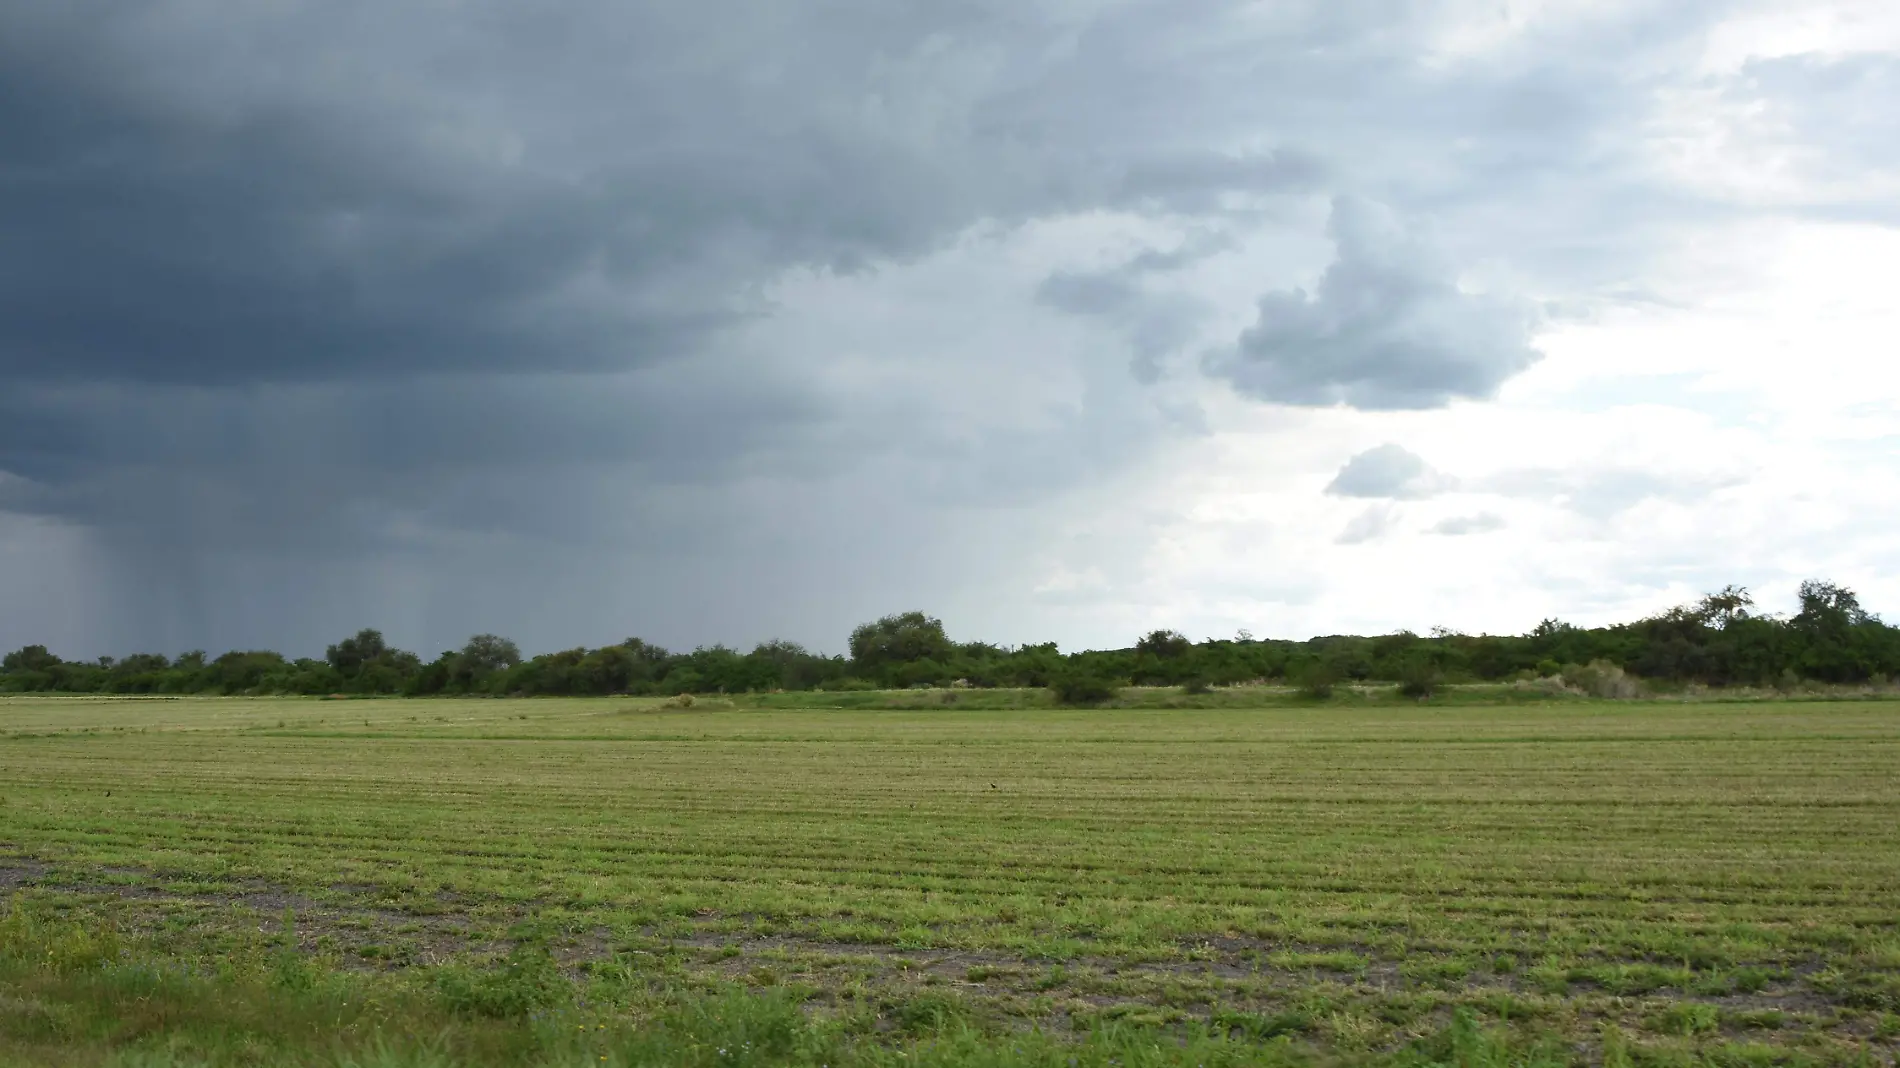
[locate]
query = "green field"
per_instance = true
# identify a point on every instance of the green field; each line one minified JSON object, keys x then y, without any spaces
{"x":618,"y":882}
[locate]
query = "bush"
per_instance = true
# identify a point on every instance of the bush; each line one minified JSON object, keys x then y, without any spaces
{"x":1419,"y":680}
{"x":1552,"y":686}
{"x":1317,"y":688}
{"x":1196,"y":686}
{"x":849,"y":684}
{"x":1083,"y":690}
{"x":1600,"y":678}
{"x":1317,"y":682}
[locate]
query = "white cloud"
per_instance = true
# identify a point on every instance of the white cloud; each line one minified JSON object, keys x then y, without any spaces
{"x":1370,"y":525}
{"x":1389,"y":471}
{"x":1481,"y":523}
{"x":1388,"y":327}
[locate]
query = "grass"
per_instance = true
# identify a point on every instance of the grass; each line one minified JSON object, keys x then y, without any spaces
{"x":1478,"y":880}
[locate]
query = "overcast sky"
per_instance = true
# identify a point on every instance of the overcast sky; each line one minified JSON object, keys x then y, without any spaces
{"x":1059,"y":319}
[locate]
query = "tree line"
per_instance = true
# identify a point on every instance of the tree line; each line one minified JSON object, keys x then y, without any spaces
{"x":1719,"y":640}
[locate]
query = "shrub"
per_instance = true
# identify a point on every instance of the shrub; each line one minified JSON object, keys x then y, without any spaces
{"x":1081,"y":689}
{"x":1196,"y":686}
{"x":1552,"y":686}
{"x":1600,"y":678}
{"x":1317,"y":682}
{"x":1419,"y":680}
{"x":1318,"y":688}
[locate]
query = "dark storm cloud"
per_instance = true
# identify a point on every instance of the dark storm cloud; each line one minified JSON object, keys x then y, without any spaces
{"x":258,"y":259}
{"x":1198,"y":180}
{"x":192,"y":200}
{"x":1090,"y":292}
{"x":155,"y":246}
{"x":334,"y":280}
{"x":307,"y":463}
{"x":221,"y":194}
{"x":1388,"y":471}
{"x":1156,"y":325}
{"x":345,"y":230}
{"x":1388,"y":327}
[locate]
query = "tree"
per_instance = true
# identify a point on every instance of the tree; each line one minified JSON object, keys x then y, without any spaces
{"x":785,"y":665}
{"x":350,"y":655}
{"x":488,"y":653}
{"x":1832,"y":627}
{"x":239,"y":672}
{"x":364,"y":663}
{"x":142,"y":664}
{"x":1164,"y":644}
{"x":1725,"y":606}
{"x":1825,"y":606}
{"x":900,"y":639}
{"x":31,"y":658}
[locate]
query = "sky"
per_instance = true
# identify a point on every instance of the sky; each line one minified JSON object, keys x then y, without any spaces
{"x":1058,"y":319}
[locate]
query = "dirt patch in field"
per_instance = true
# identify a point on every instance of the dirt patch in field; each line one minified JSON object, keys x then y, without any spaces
{"x":359,"y":934}
{"x":16,"y":872}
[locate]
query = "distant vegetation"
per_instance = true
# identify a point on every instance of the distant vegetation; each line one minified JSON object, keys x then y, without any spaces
{"x":1717,"y":641}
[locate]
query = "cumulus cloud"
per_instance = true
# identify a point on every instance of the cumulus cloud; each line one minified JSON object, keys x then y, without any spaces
{"x":1370,"y":525}
{"x":1390,"y":471}
{"x":1481,"y":523}
{"x":1388,"y":327}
